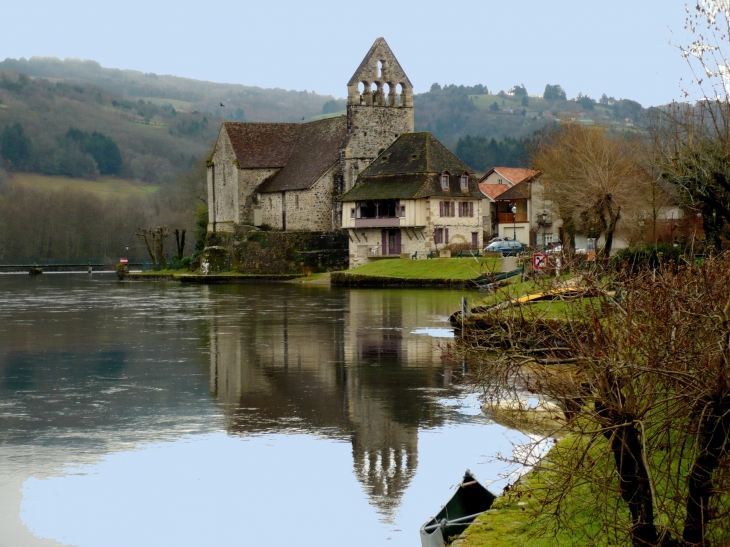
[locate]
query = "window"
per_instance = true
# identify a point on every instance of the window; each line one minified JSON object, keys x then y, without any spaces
{"x":500,"y":181}
{"x":446,"y":209}
{"x":402,"y":210}
{"x":466,"y":209}
{"x":445,"y":181}
{"x":471,"y":208}
{"x":464,"y":182}
{"x":438,"y":235}
{"x":296,"y":201}
{"x":446,"y":236}
{"x":352,"y":212}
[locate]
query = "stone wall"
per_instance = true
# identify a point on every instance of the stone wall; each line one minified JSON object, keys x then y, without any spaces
{"x":248,"y":181}
{"x":222,"y":186}
{"x":371,"y":129}
{"x":289,"y":252}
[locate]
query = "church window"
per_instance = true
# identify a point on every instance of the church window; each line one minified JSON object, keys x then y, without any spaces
{"x":464,"y":182}
{"x":445,"y":181}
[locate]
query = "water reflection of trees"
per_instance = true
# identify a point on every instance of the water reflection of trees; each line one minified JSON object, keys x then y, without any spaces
{"x":341,"y":366}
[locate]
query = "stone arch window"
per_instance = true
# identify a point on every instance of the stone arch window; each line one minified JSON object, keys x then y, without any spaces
{"x":464,"y":181}
{"x":361,"y":87}
{"x":400,"y":90}
{"x":375,"y":92}
{"x":380,"y":69}
{"x":445,"y":180}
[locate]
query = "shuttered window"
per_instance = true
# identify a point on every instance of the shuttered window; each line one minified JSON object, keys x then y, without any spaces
{"x":471,"y":208}
{"x":441,"y":208}
{"x":446,"y":236}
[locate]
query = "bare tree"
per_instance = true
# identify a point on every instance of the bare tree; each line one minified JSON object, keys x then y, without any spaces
{"x":640,"y":371}
{"x":592,"y":177}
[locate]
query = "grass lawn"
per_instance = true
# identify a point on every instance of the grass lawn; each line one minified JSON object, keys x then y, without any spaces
{"x":105,"y":187}
{"x":437,"y":268}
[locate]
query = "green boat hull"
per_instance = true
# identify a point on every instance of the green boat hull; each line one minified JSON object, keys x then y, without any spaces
{"x":469,"y":501}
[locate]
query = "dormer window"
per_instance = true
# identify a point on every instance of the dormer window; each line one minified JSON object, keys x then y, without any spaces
{"x":445,"y":181}
{"x":464,"y":181}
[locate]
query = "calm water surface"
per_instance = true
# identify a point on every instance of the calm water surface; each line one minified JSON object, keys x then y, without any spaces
{"x":267,"y":415}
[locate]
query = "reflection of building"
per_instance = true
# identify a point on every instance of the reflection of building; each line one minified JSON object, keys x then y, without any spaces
{"x":342,"y":368}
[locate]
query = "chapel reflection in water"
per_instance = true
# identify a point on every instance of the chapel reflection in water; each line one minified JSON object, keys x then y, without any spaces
{"x":350,"y":369}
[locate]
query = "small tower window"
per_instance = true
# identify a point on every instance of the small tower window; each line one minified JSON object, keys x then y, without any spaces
{"x":464,"y":182}
{"x":445,"y":181}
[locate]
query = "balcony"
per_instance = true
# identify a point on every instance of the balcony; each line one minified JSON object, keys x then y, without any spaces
{"x":509,"y":218}
{"x":379,"y":222}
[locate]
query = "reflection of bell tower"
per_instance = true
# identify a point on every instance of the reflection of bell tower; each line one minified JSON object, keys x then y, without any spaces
{"x":385,"y":454}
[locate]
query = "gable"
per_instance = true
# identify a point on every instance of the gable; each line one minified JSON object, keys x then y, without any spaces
{"x":368,"y":69}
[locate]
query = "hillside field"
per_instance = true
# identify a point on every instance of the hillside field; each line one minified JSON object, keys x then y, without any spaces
{"x":105,"y":187}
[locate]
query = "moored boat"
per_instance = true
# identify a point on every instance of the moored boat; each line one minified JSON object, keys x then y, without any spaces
{"x":469,"y":501}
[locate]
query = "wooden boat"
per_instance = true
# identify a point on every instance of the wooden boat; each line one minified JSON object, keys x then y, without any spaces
{"x":469,"y":501}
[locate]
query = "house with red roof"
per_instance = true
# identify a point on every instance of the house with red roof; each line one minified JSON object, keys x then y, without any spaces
{"x":493,"y":184}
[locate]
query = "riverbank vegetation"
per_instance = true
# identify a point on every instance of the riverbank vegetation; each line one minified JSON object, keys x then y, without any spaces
{"x":641,"y":374}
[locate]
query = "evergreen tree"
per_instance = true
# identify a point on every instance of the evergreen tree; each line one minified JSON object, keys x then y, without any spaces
{"x":554,"y":93}
{"x":16,"y":147}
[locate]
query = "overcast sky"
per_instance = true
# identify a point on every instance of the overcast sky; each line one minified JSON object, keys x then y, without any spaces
{"x":618,"y":47}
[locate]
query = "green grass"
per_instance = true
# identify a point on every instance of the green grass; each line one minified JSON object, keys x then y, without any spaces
{"x":176,"y":104}
{"x":512,"y":522}
{"x":437,"y":268}
{"x":105,"y":187}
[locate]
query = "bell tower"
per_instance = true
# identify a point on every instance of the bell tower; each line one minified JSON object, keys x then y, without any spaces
{"x":379,"y":109}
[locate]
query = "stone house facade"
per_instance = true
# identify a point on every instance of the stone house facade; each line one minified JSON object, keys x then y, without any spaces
{"x":289,"y":176}
{"x":416,"y":197}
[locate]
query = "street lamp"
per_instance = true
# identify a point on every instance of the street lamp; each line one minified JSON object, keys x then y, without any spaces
{"x":544,"y":228}
{"x":514,"y":222}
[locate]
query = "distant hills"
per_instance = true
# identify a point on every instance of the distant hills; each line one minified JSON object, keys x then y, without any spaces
{"x":163,"y":125}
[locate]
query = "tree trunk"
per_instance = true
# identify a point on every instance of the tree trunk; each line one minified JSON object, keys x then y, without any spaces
{"x":636,"y":491}
{"x":714,"y":437}
{"x":145,"y":235}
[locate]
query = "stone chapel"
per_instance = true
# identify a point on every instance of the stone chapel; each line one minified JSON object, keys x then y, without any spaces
{"x":289,"y":176}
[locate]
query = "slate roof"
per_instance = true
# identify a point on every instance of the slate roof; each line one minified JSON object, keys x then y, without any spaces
{"x":513,"y":174}
{"x":317,"y":148}
{"x":493,"y":190}
{"x":411,"y":168}
{"x":261,"y":145}
{"x":522,"y":190}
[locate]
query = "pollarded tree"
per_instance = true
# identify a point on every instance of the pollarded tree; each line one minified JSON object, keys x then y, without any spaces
{"x":640,"y":374}
{"x":591,"y":176}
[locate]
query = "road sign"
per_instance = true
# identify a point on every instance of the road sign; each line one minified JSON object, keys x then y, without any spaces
{"x":123,"y":261}
{"x":540,"y":261}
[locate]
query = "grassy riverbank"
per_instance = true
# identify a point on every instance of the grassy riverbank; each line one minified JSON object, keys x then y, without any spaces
{"x":437,"y":268}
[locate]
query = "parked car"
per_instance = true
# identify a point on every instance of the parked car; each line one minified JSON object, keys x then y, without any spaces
{"x":508,"y":248}
{"x":497,"y":238}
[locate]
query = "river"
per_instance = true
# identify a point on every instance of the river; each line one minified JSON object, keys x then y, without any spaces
{"x":259,"y":414}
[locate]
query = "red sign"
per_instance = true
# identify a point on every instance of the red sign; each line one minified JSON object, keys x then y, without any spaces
{"x":123,"y":261}
{"x":540,"y":261}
